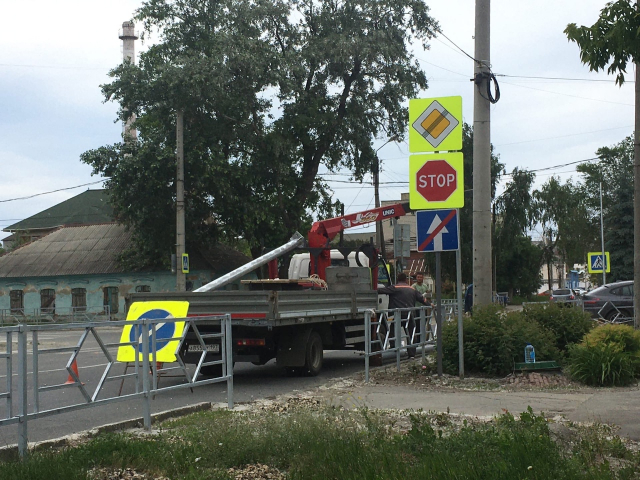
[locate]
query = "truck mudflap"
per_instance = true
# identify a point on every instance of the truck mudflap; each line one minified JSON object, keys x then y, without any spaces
{"x":292,"y":347}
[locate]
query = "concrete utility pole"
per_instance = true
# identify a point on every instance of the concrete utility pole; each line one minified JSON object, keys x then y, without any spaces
{"x":482,"y":160}
{"x":636,"y":202}
{"x":181,"y":284}
{"x":129,"y":37}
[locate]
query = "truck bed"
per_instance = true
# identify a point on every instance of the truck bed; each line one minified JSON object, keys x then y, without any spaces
{"x":272,"y":308}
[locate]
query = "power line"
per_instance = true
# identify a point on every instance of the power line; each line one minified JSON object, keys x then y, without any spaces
{"x":558,"y":78}
{"x":52,"y":191}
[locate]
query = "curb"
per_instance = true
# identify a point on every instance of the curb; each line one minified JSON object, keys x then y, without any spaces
{"x":10,"y":452}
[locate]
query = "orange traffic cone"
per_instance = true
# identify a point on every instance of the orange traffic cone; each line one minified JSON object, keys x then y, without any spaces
{"x":71,"y":380}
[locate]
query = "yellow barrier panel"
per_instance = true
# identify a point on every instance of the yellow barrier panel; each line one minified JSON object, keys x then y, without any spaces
{"x":165,"y":348}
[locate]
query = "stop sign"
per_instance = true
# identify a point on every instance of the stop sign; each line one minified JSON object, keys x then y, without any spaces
{"x":436,"y":180}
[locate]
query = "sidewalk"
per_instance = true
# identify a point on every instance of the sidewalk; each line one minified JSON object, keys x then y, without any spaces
{"x":619,"y":406}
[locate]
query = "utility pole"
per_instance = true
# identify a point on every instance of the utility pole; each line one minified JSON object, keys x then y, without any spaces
{"x":181,"y":284}
{"x":376,"y":190}
{"x":636,"y":201}
{"x":482,"y":159}
{"x":604,"y":257}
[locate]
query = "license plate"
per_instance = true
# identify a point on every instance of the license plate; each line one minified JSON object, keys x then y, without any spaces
{"x":214,"y":348}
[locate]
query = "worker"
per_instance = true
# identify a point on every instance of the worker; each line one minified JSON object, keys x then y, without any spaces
{"x":419,"y":285}
{"x":401,"y":295}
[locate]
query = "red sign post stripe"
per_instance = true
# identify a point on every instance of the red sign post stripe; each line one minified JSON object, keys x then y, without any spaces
{"x":444,"y":222}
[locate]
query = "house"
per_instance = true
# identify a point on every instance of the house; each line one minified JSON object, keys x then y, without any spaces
{"x":64,"y":262}
{"x":75,"y":270}
{"x":89,"y":207}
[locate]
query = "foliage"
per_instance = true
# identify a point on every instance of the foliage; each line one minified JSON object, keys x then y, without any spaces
{"x":330,"y":443}
{"x":494,"y":340}
{"x":518,"y":267}
{"x":271,"y":91}
{"x":567,"y":225}
{"x":608,"y":356}
{"x":615,"y":172}
{"x":568,"y":324}
{"x":612,"y":40}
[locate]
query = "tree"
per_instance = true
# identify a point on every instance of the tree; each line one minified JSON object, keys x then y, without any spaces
{"x":517,"y":259}
{"x":614,"y":40}
{"x":271,"y":90}
{"x":614,"y":171}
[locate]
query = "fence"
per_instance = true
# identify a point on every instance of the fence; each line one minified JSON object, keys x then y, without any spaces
{"x":384,"y":334}
{"x":16,"y":316}
{"x":146,"y":344}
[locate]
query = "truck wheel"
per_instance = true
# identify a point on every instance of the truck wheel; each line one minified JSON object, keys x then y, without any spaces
{"x":313,"y":355}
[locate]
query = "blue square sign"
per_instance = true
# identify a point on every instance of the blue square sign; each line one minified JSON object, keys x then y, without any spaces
{"x":437,"y":230}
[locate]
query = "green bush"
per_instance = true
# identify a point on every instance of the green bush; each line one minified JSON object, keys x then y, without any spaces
{"x":607,"y":356}
{"x":568,"y":324}
{"x":494,"y":340}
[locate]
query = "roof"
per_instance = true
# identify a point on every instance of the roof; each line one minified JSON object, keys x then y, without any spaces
{"x":81,"y":250}
{"x":91,"y":206}
{"x":94,"y":250}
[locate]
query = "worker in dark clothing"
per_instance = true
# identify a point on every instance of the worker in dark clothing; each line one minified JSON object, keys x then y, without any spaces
{"x":402,"y":295}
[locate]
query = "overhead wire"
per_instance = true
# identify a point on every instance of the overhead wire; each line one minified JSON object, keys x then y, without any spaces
{"x":52,"y":191}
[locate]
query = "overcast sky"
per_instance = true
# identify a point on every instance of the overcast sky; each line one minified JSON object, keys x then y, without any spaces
{"x":55,"y":55}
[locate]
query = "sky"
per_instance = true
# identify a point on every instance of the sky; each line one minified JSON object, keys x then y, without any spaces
{"x":54,"y":60}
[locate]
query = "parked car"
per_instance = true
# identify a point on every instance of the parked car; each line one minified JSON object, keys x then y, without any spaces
{"x":562,"y":296}
{"x":610,"y":301}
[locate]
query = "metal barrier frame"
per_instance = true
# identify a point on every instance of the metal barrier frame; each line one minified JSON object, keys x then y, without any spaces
{"x":145,"y":330}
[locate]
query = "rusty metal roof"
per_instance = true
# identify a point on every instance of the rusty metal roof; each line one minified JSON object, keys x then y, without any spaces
{"x":76,"y":250}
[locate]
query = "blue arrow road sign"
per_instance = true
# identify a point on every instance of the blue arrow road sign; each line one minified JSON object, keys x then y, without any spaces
{"x":437,"y":230}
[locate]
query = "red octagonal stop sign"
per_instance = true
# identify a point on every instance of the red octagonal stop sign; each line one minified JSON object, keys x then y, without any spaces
{"x":436,"y":181}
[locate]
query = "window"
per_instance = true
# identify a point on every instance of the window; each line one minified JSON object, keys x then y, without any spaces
{"x":627,"y":291}
{"x":79,"y":299}
{"x":111,"y":299}
{"x":16,"y":301}
{"x":616,"y":291}
{"x":48,"y":300}
{"x":143,"y":289}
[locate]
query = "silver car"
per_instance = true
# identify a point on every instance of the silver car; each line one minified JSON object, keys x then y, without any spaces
{"x":563,"y":296}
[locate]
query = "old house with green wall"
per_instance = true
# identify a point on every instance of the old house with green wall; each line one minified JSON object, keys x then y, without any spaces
{"x":61,"y":266}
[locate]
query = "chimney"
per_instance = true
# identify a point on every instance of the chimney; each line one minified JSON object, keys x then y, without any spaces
{"x":129,"y":37}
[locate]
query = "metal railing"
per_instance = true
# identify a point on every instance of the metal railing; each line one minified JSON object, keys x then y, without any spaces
{"x":145,"y":364}
{"x":383,"y":334}
{"x":16,"y":316}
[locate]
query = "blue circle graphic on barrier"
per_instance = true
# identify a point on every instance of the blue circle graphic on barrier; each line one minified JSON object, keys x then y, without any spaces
{"x":164,"y":331}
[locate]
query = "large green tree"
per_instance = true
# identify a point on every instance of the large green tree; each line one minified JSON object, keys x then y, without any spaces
{"x":271,"y":90}
{"x":567,"y":228}
{"x":517,"y":259}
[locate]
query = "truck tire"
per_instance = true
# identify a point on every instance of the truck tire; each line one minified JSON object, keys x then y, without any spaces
{"x":313,"y":355}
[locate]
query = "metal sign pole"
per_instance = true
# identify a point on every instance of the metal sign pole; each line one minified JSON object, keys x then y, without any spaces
{"x":439,"y":313}
{"x":460,"y":328}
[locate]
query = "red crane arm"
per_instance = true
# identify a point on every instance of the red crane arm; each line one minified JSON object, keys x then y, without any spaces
{"x":323,"y":231}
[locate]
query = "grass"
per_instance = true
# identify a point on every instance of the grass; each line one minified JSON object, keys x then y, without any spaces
{"x":327,"y":443}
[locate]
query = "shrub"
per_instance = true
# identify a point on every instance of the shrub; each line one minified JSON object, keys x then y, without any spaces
{"x":494,"y":340}
{"x":607,"y":356}
{"x":567,"y":324}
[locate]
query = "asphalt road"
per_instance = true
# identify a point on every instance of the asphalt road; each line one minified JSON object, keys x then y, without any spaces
{"x":250,"y":383}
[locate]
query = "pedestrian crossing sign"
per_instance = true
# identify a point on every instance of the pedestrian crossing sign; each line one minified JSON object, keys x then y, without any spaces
{"x":597,"y":261}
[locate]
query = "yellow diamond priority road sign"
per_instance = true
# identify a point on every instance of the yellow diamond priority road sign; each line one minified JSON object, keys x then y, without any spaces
{"x":435,"y":124}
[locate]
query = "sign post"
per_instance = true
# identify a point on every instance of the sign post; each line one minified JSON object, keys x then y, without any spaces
{"x":438,"y":231}
{"x":436,"y":181}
